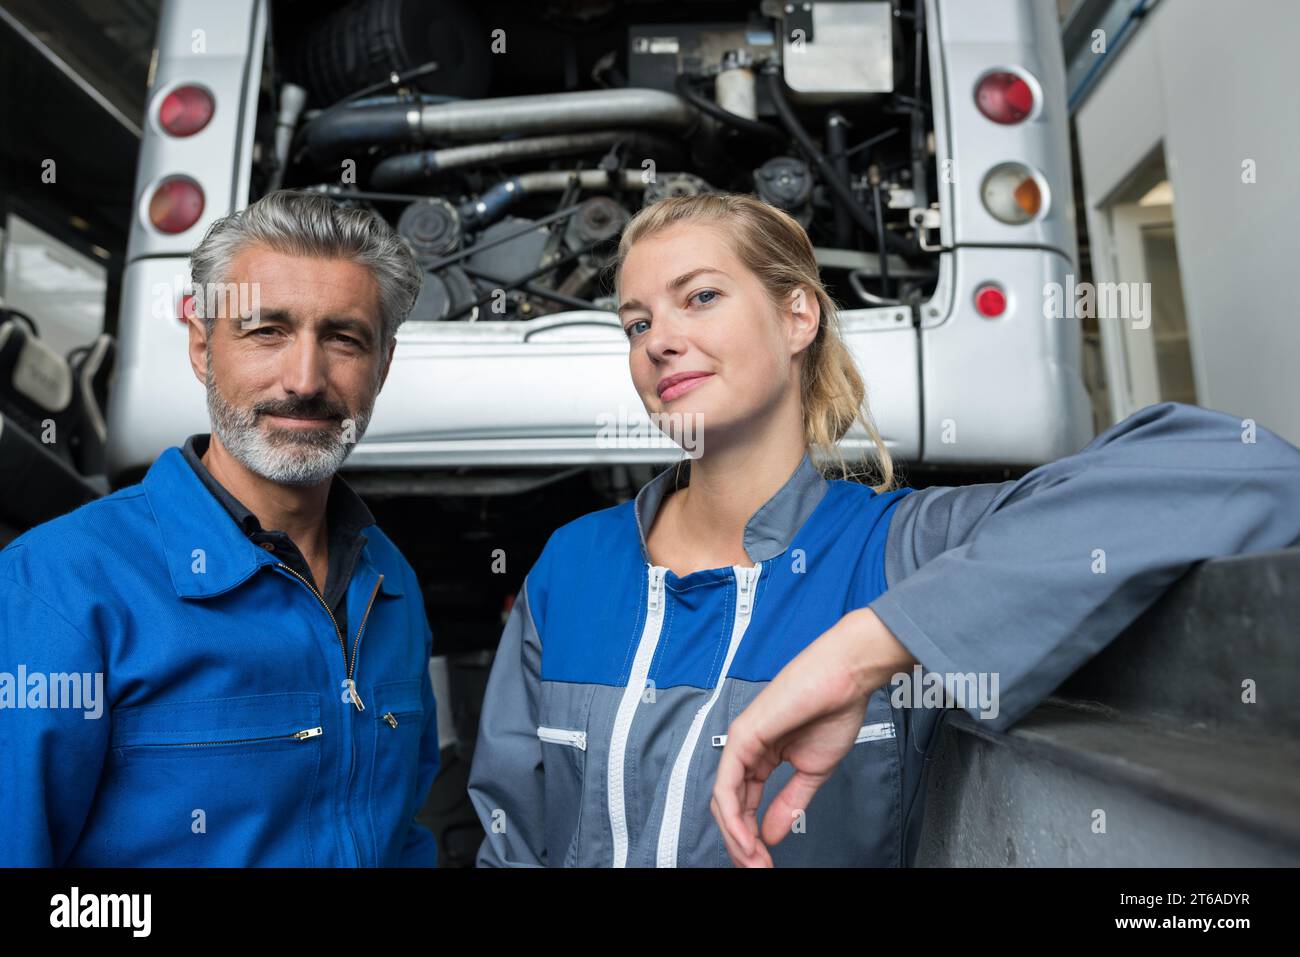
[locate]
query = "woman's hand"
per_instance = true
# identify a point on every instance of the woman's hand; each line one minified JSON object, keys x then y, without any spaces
{"x":808,"y":715}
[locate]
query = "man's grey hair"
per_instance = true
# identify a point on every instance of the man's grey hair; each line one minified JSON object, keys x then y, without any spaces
{"x":309,"y":224}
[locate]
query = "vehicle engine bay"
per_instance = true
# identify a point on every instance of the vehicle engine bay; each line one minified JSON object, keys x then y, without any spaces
{"x":513,"y":185}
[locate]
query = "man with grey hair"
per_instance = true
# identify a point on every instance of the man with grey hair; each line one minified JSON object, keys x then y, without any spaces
{"x":262,"y":646}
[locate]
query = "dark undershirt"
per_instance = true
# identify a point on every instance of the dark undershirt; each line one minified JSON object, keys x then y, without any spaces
{"x":345,"y":516}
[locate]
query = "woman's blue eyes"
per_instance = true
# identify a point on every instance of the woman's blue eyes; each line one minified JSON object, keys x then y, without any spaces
{"x":629,"y":330}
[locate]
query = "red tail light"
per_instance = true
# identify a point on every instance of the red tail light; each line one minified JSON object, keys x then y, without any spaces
{"x":186,"y":110}
{"x":990,"y":300}
{"x":1004,"y":97}
{"x":176,"y":205}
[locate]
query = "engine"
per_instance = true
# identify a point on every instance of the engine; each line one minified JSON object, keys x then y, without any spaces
{"x":511,"y":143}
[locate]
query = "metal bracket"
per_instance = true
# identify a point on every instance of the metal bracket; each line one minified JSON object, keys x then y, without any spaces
{"x":922,"y":221}
{"x":798,"y":16}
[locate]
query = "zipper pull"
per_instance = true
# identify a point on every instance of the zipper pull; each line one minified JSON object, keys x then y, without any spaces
{"x":656,"y":587}
{"x":308,"y":733}
{"x":392,"y":721}
{"x":719,"y":740}
{"x":356,"y":649}
{"x":747,"y":576}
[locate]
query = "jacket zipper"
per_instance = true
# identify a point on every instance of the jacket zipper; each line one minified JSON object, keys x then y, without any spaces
{"x":300,"y":735}
{"x":348,"y":663}
{"x":627,"y":709}
{"x":671,"y":825}
{"x":350,"y":667}
{"x":391,"y":717}
{"x":356,"y":698}
{"x":356,"y":644}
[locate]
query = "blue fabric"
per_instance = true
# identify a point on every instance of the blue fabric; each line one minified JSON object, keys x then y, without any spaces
{"x":835,"y":561}
{"x":202,"y":640}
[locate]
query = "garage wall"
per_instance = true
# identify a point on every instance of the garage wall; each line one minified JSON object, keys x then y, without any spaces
{"x":1216,"y":83}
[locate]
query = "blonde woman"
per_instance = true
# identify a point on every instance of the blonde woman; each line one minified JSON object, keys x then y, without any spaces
{"x":643,"y":632}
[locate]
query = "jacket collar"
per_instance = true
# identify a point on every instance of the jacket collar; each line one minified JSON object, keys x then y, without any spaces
{"x":206,"y":551}
{"x":769,"y":531}
{"x":346,"y":511}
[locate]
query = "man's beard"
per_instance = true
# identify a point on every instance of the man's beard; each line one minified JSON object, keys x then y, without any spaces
{"x":286,"y":456}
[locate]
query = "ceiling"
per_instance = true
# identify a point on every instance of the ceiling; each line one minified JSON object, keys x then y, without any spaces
{"x":72,"y":89}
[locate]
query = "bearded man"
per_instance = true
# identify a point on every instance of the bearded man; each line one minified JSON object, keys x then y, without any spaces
{"x":261,"y":646}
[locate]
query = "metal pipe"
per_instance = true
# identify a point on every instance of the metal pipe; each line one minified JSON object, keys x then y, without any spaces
{"x":558,"y":113}
{"x":469,"y":120}
{"x":405,"y":167}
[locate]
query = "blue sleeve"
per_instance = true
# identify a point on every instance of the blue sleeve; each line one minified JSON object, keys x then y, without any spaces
{"x":421,"y":848}
{"x":50,"y":758}
{"x":1028,"y":579}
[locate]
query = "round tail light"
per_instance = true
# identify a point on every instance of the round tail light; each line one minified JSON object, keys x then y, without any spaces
{"x":1013,"y":194}
{"x":1004,"y":97}
{"x":176,"y":205}
{"x":990,"y":300}
{"x":185,"y":110}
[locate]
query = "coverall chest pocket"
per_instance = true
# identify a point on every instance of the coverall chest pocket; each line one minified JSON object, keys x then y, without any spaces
{"x":219,"y":780}
{"x":398,"y":724}
{"x":854,"y":820}
{"x":563,"y":725}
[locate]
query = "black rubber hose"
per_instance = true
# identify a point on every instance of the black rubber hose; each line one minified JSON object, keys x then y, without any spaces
{"x":836,"y":146}
{"x":920,"y":188}
{"x":333,"y":134}
{"x":880,"y":226}
{"x":838,"y":186}
{"x":402,"y":79}
{"x":402,"y":169}
{"x":742,"y":123}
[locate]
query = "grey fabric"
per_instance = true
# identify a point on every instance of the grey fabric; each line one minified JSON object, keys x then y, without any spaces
{"x":769,"y":530}
{"x":930,"y":521}
{"x":1004,"y":577}
{"x":506,"y":783}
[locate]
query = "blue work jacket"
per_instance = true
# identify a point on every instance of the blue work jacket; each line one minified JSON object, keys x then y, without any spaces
{"x":172,"y":694}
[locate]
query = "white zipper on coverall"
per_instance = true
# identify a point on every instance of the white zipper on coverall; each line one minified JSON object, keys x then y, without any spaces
{"x":671,"y":827}
{"x":574,"y":739}
{"x":645,"y":653}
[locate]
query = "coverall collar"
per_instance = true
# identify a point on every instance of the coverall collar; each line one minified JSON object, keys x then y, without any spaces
{"x":206,"y":552}
{"x":769,"y":531}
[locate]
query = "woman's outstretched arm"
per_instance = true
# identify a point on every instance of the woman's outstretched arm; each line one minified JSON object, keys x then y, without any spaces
{"x":1028,"y":579}
{"x":1033,"y":580}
